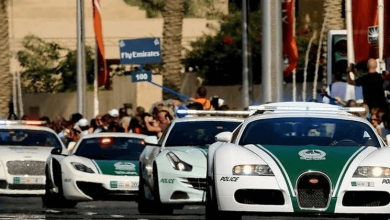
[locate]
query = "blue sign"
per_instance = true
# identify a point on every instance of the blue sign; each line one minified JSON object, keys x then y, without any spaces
{"x":140,"y":51}
{"x":140,"y":76}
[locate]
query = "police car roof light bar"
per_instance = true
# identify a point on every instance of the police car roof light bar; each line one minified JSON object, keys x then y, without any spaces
{"x":22,"y":122}
{"x":307,"y":108}
{"x":213,"y":112}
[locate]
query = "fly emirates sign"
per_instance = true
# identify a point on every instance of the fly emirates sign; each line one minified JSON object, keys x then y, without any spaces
{"x":140,"y":51}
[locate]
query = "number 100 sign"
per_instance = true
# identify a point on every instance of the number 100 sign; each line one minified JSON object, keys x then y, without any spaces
{"x":140,"y":76}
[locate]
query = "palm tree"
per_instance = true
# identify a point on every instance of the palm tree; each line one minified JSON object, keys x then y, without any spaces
{"x":5,"y":74}
{"x":173,"y":14}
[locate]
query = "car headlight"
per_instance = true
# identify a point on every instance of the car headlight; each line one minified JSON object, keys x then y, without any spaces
{"x":178,"y":164}
{"x":81,"y":167}
{"x":252,"y":170}
{"x":367,"y":171}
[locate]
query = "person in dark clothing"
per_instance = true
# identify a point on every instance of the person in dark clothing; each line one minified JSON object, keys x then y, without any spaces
{"x":372,"y":84}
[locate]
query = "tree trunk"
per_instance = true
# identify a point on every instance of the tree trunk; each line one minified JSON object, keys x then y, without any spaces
{"x":5,"y":74}
{"x":334,"y":22}
{"x":173,"y":14}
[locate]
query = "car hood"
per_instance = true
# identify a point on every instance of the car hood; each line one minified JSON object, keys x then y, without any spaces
{"x":331,"y":160}
{"x":190,"y":154}
{"x":8,"y":153}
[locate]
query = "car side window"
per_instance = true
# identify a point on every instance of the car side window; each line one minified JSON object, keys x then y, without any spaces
{"x":235,"y":133}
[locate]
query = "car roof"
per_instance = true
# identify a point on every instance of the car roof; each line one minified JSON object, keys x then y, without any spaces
{"x":209,"y":118}
{"x":305,"y":109}
{"x":27,"y":125}
{"x":113,"y":134}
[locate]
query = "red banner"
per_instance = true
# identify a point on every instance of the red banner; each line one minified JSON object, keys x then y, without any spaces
{"x":290,"y":49}
{"x":103,"y":73}
{"x":365,"y":29}
{"x":386,"y":30}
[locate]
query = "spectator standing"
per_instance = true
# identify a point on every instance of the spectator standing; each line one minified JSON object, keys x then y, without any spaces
{"x":200,"y":97}
{"x":152,"y":125}
{"x":136,"y":122}
{"x":164,"y":118}
{"x":372,"y":84}
{"x":99,"y":124}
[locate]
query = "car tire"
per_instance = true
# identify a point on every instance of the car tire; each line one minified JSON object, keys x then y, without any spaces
{"x":55,"y":200}
{"x":159,"y":206}
{"x":212,"y":211}
{"x":144,"y":205}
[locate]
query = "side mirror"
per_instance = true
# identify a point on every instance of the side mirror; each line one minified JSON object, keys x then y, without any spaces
{"x":225,"y":136}
{"x":151,"y":140}
{"x":388,"y":139}
{"x":56,"y":151}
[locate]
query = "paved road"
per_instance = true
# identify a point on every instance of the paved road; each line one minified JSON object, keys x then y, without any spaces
{"x":26,"y":208}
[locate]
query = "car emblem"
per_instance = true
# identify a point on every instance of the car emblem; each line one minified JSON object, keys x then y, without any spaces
{"x":124,"y":166}
{"x":312,"y":154}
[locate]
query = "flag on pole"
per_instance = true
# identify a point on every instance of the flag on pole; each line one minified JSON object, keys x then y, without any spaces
{"x":103,"y":74}
{"x":290,"y":49}
{"x":365,"y":29}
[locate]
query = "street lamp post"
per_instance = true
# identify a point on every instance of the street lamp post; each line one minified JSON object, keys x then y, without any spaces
{"x":272,"y":59}
{"x":81,"y":75}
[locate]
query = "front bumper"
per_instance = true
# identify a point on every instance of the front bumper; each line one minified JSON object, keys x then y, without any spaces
{"x":80,"y":186}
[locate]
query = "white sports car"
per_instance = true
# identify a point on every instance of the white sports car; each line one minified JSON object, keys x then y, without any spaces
{"x":24,"y":148}
{"x":102,"y":166}
{"x":173,"y":172}
{"x":299,"y":159}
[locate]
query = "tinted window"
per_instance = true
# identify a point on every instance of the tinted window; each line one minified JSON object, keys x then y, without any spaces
{"x":112,"y":148}
{"x":198,"y":133}
{"x":305,"y":131}
{"x":24,"y":137}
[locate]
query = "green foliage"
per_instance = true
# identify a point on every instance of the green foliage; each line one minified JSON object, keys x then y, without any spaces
{"x":192,"y":8}
{"x":49,"y":67}
{"x":218,"y":58}
{"x":68,"y":66}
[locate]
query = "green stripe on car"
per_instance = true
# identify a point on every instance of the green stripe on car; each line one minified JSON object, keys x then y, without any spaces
{"x":118,"y":168}
{"x":295,"y":160}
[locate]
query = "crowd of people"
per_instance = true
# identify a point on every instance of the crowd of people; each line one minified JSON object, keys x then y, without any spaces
{"x":141,"y":121}
{"x":370,"y":94}
{"x":156,"y":120}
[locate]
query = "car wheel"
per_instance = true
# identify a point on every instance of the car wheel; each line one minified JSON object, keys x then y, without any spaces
{"x":160,"y":208}
{"x":212,"y":211}
{"x":144,"y":205}
{"x":55,"y":200}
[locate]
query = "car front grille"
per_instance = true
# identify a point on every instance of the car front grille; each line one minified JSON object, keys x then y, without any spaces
{"x":313,"y":191}
{"x":366,"y":198}
{"x":196,"y":183}
{"x":26,"y":167}
{"x":259,"y":197}
{"x":26,"y":186}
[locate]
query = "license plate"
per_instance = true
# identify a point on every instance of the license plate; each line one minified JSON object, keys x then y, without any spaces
{"x":363,"y":184}
{"x":28,"y":180}
{"x":124,"y":184}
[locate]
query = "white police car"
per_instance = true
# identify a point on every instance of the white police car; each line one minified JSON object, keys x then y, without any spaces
{"x":24,"y":148}
{"x":102,"y":166}
{"x":299,"y":158}
{"x":173,"y":171}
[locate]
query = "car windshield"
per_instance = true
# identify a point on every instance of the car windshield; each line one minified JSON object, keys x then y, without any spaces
{"x":110,"y":148}
{"x":198,"y":133}
{"x":26,"y":137}
{"x":306,"y":131}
